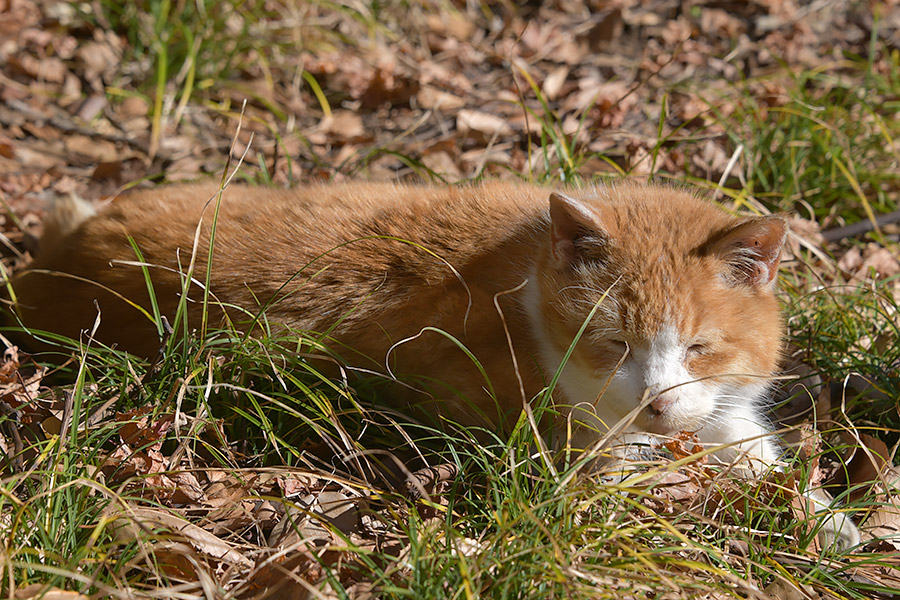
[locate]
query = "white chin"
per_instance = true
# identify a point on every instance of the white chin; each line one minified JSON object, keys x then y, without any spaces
{"x":663,"y":425}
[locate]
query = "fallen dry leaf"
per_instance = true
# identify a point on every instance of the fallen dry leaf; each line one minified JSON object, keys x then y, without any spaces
{"x":781,"y":589}
{"x":684,"y":444}
{"x":345,"y":124}
{"x":129,"y":525}
{"x":674,"y":491}
{"x":134,"y":106}
{"x":851,"y":261}
{"x":482,"y":122}
{"x":39,"y":591}
{"x":96,"y":150}
{"x":879,"y":260}
{"x":554,"y":81}
{"x":865,"y":466}
{"x":312,"y":517}
{"x":9,"y":366}
{"x":430,"y":97}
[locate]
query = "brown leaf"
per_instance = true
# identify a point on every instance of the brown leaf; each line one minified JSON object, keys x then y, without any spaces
{"x":443,"y":164}
{"x":9,"y":368}
{"x":684,"y":444}
{"x":880,"y":260}
{"x":187,"y":490}
{"x":108,"y":170}
{"x":40,"y":591}
{"x":23,"y":391}
{"x":808,"y":230}
{"x":295,"y":483}
{"x":883,"y":521}
{"x":867,"y":465}
{"x":674,"y":489}
{"x":316,"y":515}
{"x":49,"y":69}
{"x":129,"y":526}
{"x":717,"y":22}
{"x":98,"y":150}
{"x":134,"y":106}
{"x":137,"y":430}
{"x":810,"y":448}
{"x":430,"y":481}
{"x":345,"y":125}
{"x":676,"y":31}
{"x":430,"y":97}
{"x":6,"y":148}
{"x":851,"y":260}
{"x":451,"y":23}
{"x":782,"y":589}
{"x":474,"y":120}
{"x":711,"y":160}
{"x":553,"y":83}
{"x":92,"y":106}
{"x":276,"y":579}
{"x":608,"y":26}
{"x":99,"y":60}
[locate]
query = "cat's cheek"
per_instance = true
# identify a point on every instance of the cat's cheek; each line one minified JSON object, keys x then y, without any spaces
{"x":621,"y":394}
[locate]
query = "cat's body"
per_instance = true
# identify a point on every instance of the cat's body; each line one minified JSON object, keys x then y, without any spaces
{"x":686,"y":317}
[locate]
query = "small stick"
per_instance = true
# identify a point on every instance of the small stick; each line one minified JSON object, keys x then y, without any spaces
{"x":838,"y":233}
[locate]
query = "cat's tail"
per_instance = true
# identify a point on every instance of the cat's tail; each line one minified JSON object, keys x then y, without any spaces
{"x":66,"y":214}
{"x":69,"y":211}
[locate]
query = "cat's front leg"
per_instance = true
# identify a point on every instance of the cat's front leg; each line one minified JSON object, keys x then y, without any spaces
{"x":744,"y":436}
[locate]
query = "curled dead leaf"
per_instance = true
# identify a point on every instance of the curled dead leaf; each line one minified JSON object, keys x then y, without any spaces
{"x":880,"y":261}
{"x":684,"y":444}
{"x":132,"y":524}
{"x":485,"y":123}
{"x":554,"y":81}
{"x":851,"y":260}
{"x":866,"y":466}
{"x":882,"y":524}
{"x":430,"y":97}
{"x":314,"y":516}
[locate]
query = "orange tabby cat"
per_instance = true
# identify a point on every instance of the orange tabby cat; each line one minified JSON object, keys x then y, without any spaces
{"x":686,"y":319}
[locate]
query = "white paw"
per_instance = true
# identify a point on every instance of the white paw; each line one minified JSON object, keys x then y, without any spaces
{"x":837,"y":532}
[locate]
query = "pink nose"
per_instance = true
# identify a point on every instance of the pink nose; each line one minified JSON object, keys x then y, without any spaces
{"x":663,"y":402}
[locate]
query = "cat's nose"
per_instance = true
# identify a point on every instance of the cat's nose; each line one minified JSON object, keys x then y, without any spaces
{"x":663,"y":401}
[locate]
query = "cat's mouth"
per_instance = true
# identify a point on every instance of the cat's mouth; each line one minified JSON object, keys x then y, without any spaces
{"x":665,"y":423}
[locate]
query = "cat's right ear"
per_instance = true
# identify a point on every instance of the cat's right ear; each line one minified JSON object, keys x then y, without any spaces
{"x":570,"y":219}
{"x":753,"y":250}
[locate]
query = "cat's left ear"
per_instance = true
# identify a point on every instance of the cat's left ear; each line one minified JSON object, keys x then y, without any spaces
{"x":753,"y":250}
{"x":570,"y":220}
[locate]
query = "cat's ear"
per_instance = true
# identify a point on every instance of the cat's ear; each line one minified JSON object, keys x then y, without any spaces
{"x":753,"y":250}
{"x":570,"y":220}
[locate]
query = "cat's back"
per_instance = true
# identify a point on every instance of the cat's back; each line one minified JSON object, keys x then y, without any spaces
{"x":318,"y":216}
{"x":331,"y":243}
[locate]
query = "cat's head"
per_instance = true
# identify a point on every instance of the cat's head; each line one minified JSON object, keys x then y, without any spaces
{"x":686,"y":317}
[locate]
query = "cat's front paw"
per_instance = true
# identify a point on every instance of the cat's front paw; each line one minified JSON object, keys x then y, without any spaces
{"x":837,"y":532}
{"x":627,"y":454}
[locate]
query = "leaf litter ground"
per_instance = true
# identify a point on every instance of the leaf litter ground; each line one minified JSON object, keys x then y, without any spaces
{"x":553,"y":91}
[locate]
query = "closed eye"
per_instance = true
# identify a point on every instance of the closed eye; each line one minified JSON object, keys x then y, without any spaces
{"x":697,"y":349}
